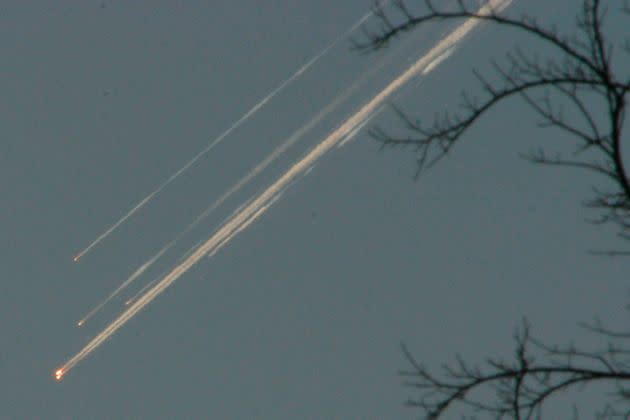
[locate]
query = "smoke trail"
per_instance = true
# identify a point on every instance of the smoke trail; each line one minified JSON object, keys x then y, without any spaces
{"x":287,"y":143}
{"x":139,"y":292}
{"x":115,"y":293}
{"x":433,"y":64}
{"x":256,"y":208}
{"x":290,"y":141}
{"x":223,"y":135}
{"x":253,"y":218}
{"x":358,"y":128}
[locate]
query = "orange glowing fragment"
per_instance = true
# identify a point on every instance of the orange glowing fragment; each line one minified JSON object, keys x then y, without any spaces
{"x":59,"y":374}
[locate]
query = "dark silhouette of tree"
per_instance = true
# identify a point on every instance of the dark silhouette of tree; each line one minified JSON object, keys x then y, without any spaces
{"x":578,"y":79}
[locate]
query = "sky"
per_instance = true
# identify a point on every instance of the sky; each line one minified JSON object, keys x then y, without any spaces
{"x":301,"y":314}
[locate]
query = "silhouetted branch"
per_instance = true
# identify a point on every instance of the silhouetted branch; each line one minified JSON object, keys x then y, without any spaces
{"x":521,"y":386}
{"x":578,"y":74}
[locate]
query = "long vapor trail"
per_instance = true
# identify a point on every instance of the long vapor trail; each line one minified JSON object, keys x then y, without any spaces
{"x":287,"y":143}
{"x":350,"y":136}
{"x":115,"y":293}
{"x":258,"y":206}
{"x":139,"y":292}
{"x":152,"y":282}
{"x":223,"y":135}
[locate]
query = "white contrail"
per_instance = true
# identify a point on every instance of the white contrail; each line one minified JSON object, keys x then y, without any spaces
{"x":255,"y":216}
{"x":358,"y":128}
{"x":240,"y":228}
{"x":292,"y":139}
{"x":433,"y":64}
{"x":119,"y":222}
{"x":223,"y":135}
{"x":139,"y":292}
{"x":146,"y":286}
{"x":310,"y":169}
{"x":139,"y":271}
{"x":287,"y":143}
{"x":115,"y":293}
{"x":253,"y":210}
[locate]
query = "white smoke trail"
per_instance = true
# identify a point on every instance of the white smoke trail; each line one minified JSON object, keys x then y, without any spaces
{"x":115,"y":293}
{"x":252,"y":211}
{"x":286,"y":144}
{"x":255,"y":216}
{"x":310,"y":169}
{"x":438,"y":60}
{"x":139,"y":292}
{"x":146,"y":286}
{"x":290,"y":141}
{"x":358,"y":128}
{"x":223,"y":135}
{"x":240,"y":228}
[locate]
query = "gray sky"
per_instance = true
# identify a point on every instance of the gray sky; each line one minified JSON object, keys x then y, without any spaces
{"x":301,"y":315}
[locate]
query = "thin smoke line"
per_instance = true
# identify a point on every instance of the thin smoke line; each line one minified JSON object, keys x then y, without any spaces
{"x":221,"y":137}
{"x":258,"y":206}
{"x":288,"y":142}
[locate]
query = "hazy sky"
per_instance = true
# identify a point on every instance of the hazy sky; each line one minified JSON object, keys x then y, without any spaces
{"x":301,"y":315}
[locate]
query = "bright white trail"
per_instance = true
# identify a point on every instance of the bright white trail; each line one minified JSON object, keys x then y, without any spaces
{"x":290,"y":141}
{"x":115,"y":293}
{"x":223,"y":135}
{"x":146,"y":286}
{"x":244,"y":225}
{"x":118,"y":223}
{"x":139,"y":292}
{"x":310,"y":169}
{"x":255,"y":216}
{"x":286,"y":144}
{"x":358,"y":128}
{"x":252,"y":211}
{"x":438,"y":60}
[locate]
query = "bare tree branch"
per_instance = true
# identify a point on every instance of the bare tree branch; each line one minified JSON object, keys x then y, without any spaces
{"x":579,"y":73}
{"x":521,"y":386}
{"x":575,"y":90}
